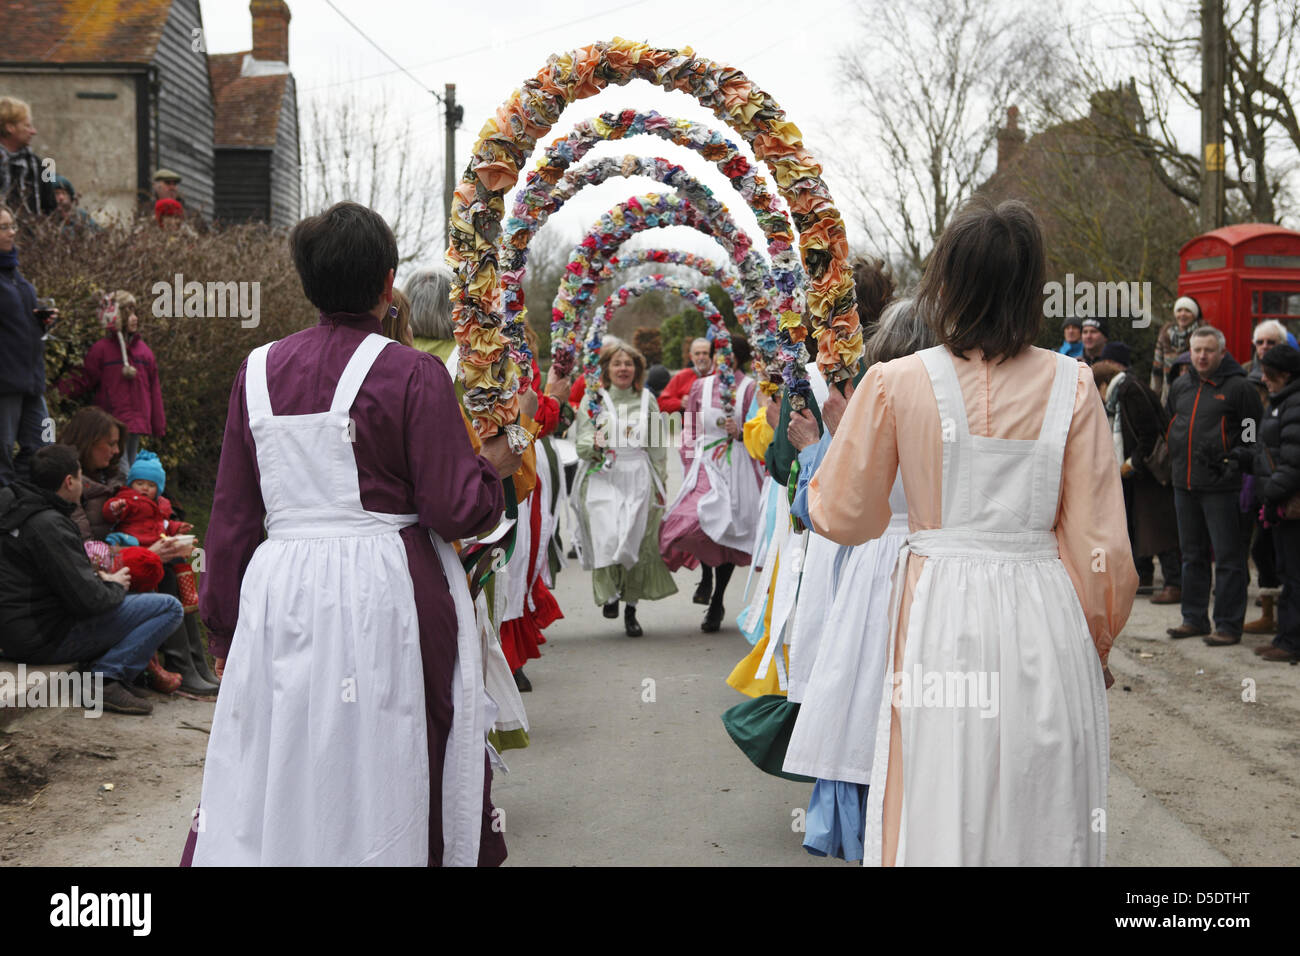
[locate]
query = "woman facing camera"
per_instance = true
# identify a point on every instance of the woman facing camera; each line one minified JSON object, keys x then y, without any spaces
{"x":992,"y":747}
{"x":623,"y":471}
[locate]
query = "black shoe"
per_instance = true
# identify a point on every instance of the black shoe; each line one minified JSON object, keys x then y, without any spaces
{"x":522,"y":682}
{"x":118,"y":700}
{"x":610,"y":610}
{"x":137,"y":687}
{"x":630,"y":625}
{"x":703,"y":593}
{"x":713,"y":619}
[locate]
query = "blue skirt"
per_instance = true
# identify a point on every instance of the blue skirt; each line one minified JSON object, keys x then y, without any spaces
{"x":837,"y":819}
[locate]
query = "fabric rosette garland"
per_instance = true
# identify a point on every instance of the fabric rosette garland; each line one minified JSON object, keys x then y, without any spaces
{"x":589,"y":257}
{"x":720,"y":273}
{"x":489,"y":374}
{"x":695,"y":297}
{"x":553,"y":173}
{"x":756,"y":276}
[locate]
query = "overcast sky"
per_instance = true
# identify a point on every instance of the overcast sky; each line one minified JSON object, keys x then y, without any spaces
{"x":787,"y":47}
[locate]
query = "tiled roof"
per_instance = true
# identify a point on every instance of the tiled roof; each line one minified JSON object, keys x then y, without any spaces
{"x":247,"y":107}
{"x":83,"y":31}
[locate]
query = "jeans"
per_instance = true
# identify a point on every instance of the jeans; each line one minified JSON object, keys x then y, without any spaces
{"x":118,"y":643}
{"x":1286,"y":540}
{"x":1212,"y":520}
{"x":22,"y":420}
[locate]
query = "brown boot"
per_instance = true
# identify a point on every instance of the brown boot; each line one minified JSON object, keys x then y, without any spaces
{"x":1168,"y":595}
{"x":1266,"y":624}
{"x":1186,"y":630}
{"x":1280,"y":654}
{"x":1219,"y":639}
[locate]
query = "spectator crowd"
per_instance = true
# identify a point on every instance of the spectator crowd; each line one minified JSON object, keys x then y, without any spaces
{"x":94,"y":557}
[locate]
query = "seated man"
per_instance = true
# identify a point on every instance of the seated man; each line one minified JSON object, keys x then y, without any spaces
{"x":53,"y":606}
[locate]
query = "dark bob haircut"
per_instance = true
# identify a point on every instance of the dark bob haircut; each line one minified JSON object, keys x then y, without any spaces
{"x":983,"y":285}
{"x":343,"y":257}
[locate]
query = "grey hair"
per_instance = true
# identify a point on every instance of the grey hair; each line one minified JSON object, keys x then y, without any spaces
{"x":1273,"y":326}
{"x":1206,"y":330}
{"x":901,"y":331}
{"x":430,"y":293}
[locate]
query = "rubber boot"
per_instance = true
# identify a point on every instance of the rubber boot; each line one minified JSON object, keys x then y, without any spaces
{"x":198,"y":653}
{"x":1266,"y":623}
{"x":178,"y":658}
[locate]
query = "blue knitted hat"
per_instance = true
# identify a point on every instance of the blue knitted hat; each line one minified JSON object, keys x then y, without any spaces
{"x":148,"y":467}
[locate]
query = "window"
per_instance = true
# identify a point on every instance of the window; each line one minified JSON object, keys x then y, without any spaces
{"x":1274,"y":304}
{"x":1272,"y":262}
{"x":1210,"y":262}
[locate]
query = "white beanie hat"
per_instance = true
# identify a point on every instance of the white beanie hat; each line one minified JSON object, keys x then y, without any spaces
{"x":1184,"y":302}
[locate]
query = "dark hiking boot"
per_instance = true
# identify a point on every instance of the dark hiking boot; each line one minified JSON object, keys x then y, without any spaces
{"x":1186,"y":630}
{"x":118,"y":700}
{"x":713,"y":619}
{"x":703,"y":593}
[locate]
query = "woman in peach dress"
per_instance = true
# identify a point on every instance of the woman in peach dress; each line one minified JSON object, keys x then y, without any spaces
{"x":993,"y":747}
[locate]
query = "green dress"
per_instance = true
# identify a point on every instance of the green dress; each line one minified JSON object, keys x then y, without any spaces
{"x":649,"y":579}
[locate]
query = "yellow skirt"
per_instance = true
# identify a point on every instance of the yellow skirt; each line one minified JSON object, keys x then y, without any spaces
{"x":743,"y":678}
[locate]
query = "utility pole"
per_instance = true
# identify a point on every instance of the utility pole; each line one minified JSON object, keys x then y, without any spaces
{"x":454,"y":116}
{"x":1213,"y":54}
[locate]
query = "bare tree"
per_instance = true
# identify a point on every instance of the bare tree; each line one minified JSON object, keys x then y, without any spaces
{"x":358,"y":149}
{"x":1262,"y":135}
{"x":932,"y":78}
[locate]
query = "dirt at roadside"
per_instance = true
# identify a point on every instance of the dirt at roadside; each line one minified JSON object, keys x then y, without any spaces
{"x":113,"y":790}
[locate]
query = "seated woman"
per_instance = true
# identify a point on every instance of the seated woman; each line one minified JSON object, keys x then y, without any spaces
{"x":98,"y":438}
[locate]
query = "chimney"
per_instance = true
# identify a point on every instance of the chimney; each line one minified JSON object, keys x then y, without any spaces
{"x":1011,"y":139}
{"x":270,"y":30}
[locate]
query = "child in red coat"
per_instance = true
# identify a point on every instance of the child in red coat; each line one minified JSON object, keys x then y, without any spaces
{"x":139,"y":509}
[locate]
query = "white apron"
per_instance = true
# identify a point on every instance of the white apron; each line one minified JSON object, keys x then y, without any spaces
{"x":1017,"y":776}
{"x":834,"y":736}
{"x":769,"y":538}
{"x":318,"y":751}
{"x":729,"y":511}
{"x":618,"y":498}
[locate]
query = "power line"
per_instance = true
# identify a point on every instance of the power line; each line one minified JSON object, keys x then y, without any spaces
{"x":386,"y":54}
{"x":464,"y":53}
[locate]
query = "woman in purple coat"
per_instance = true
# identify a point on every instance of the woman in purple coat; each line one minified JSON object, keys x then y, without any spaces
{"x":349,"y":727}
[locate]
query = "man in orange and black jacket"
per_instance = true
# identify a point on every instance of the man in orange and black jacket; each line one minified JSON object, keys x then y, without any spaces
{"x":1212,"y":410}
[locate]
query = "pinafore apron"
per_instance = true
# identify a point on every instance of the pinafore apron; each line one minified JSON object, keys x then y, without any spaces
{"x":617,"y":499}
{"x":1000,"y":695}
{"x":318,"y":751}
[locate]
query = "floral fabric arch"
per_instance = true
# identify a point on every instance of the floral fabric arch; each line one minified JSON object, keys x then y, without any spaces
{"x":693,"y":296}
{"x":588,"y":259}
{"x":755,"y":274}
{"x":720,"y":273}
{"x":534,"y":201}
{"x":487,"y":370}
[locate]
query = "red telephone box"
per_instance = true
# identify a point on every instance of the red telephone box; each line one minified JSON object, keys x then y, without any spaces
{"x":1241,"y":275}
